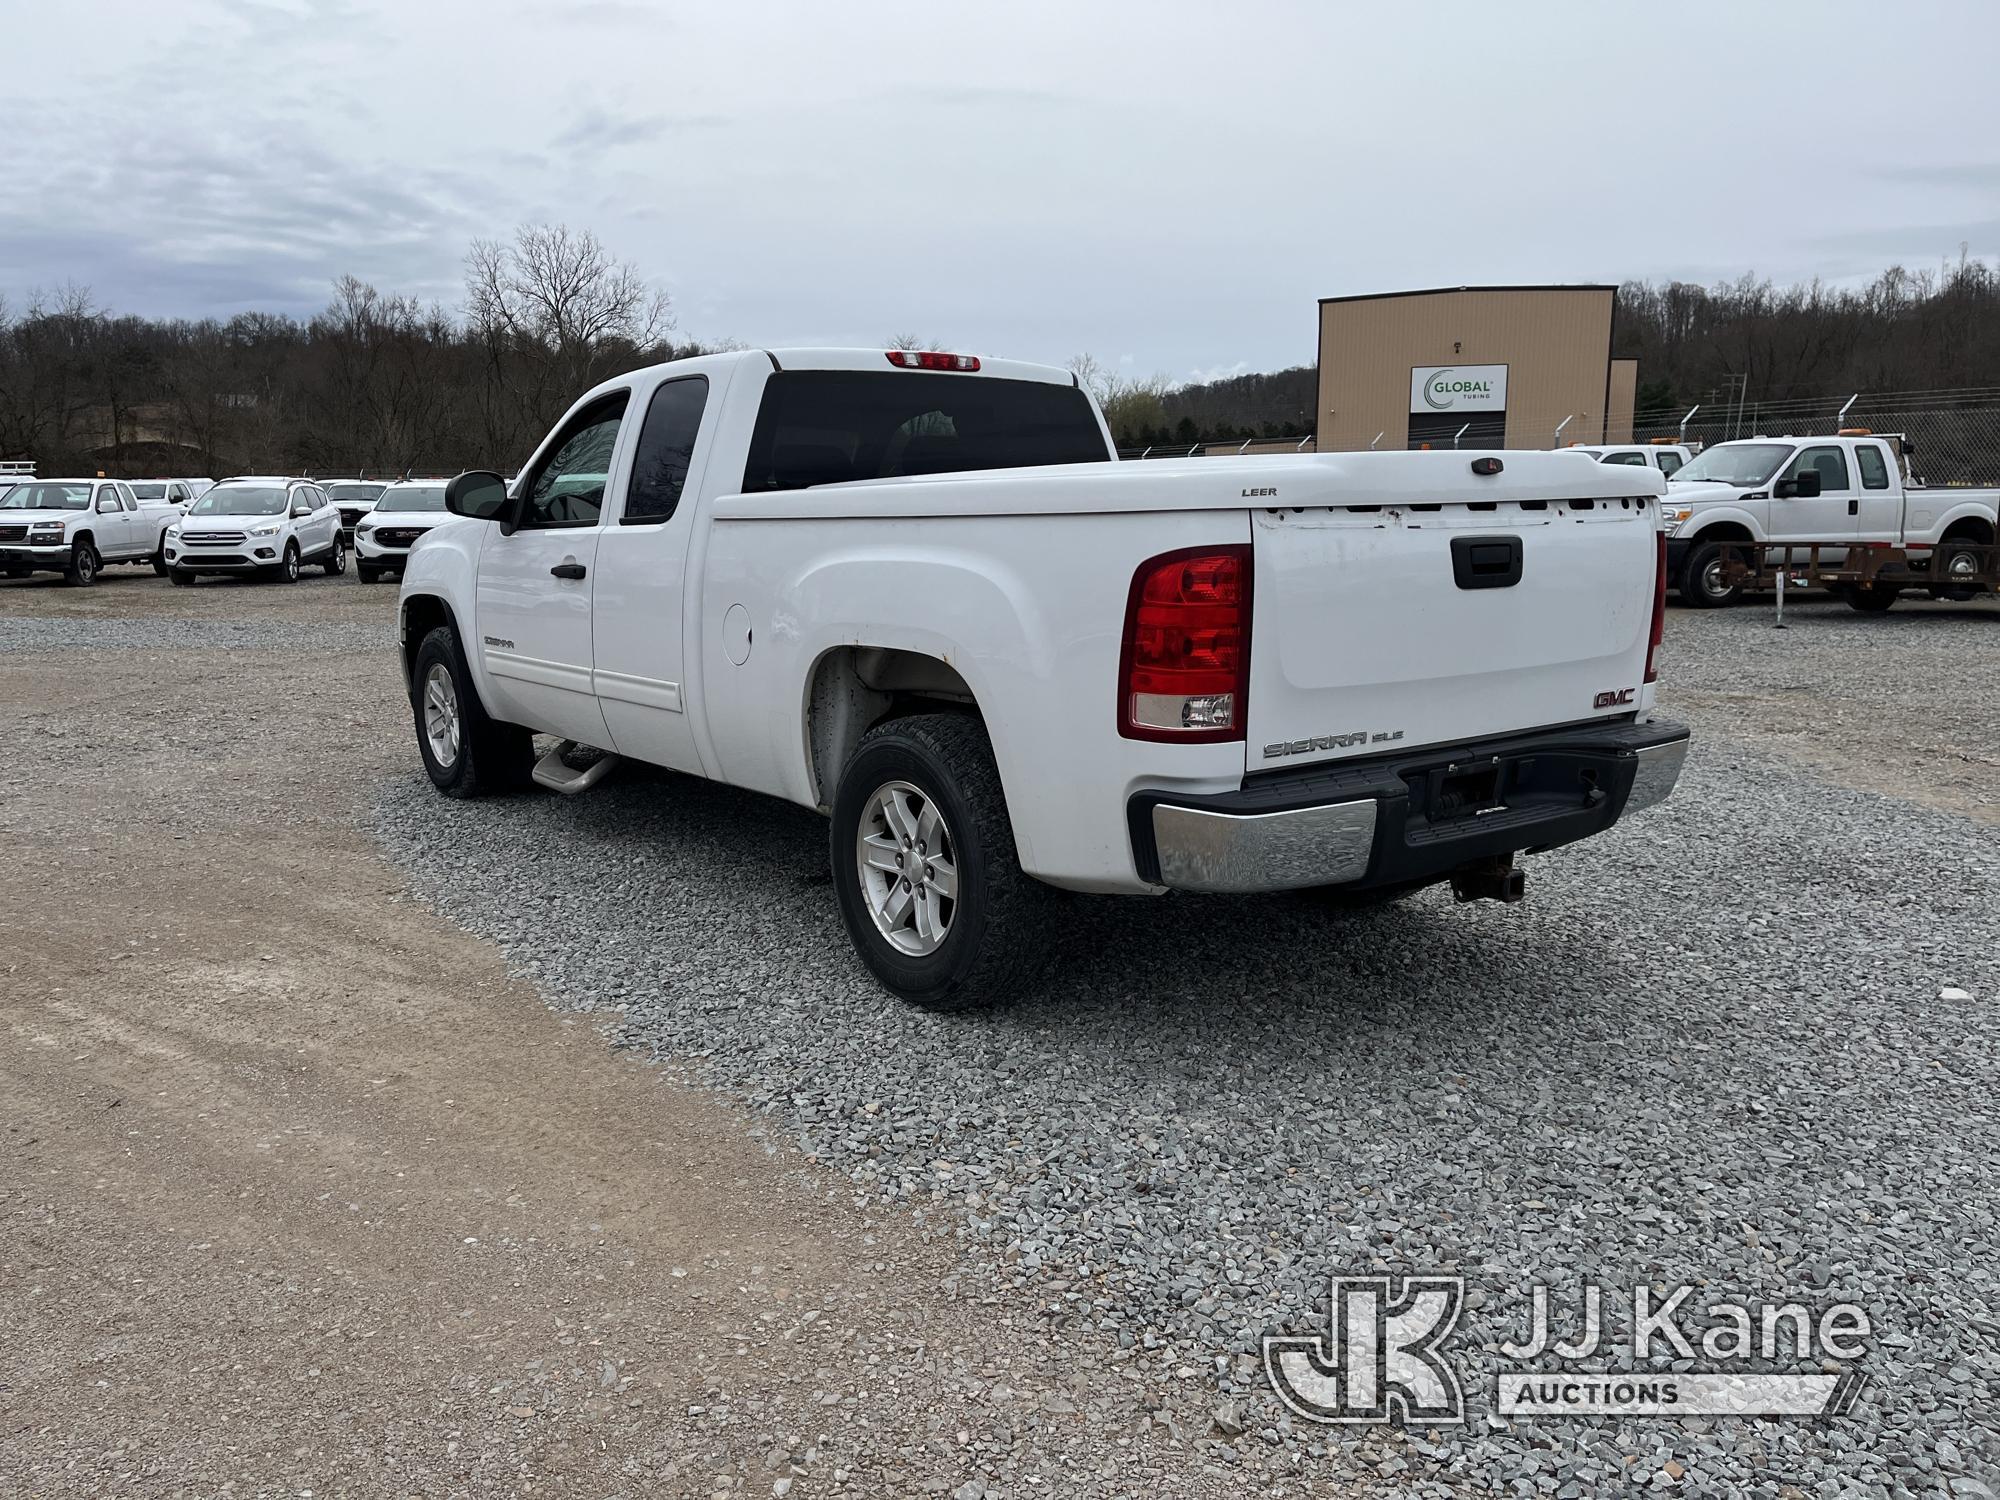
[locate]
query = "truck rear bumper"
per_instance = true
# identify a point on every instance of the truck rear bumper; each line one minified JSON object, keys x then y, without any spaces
{"x":1408,"y":818}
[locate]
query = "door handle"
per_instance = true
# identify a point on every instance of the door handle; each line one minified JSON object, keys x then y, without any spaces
{"x":567,"y":570}
{"x":1854,"y":507}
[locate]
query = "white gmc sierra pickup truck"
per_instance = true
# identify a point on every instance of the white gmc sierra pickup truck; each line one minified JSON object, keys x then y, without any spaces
{"x":916,"y":592}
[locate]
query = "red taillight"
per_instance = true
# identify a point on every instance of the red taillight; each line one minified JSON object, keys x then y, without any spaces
{"x":1184,"y":674}
{"x":930,"y":359}
{"x":1659,"y":610}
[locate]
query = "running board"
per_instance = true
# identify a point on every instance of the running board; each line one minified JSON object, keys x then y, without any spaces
{"x":555,"y":773}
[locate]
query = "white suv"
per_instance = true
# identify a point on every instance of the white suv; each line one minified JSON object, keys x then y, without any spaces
{"x":405,"y":511}
{"x":270,"y":527}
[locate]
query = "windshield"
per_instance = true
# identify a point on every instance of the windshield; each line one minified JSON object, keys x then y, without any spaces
{"x":145,"y":491}
{"x":46,"y":494}
{"x":352,"y":491}
{"x":241,"y":500}
{"x":1740,"y":464}
{"x":411,"y":497}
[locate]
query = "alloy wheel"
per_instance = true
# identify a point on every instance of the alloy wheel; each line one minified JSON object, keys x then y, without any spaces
{"x":909,"y":868}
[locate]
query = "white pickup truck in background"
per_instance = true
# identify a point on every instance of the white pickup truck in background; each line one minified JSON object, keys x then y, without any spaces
{"x":76,"y":526}
{"x":1846,"y":489}
{"x":1668,"y":458}
{"x":917,"y":593}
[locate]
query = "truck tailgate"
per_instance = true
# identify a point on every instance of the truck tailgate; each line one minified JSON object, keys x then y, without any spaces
{"x":1386,"y":627}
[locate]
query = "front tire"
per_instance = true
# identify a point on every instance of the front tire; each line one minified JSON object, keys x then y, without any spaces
{"x":929,"y":883}
{"x":1872,"y":599}
{"x":179,"y":577}
{"x":466,"y":753}
{"x":336,"y":559}
{"x":1702,"y":583}
{"x":159,"y":558}
{"x":84,"y":564}
{"x":288,"y":569}
{"x":365,"y":573}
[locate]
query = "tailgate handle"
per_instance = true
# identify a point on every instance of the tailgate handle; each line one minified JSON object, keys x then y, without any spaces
{"x":1486,"y":562}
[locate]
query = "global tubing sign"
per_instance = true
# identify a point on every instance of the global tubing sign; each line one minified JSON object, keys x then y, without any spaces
{"x":1458,"y":388}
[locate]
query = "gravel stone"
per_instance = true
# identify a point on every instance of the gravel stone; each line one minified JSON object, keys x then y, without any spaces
{"x":1713,"y":1046}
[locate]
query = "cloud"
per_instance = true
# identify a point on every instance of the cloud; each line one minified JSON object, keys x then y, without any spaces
{"x":1919,"y":242}
{"x":597,"y":130}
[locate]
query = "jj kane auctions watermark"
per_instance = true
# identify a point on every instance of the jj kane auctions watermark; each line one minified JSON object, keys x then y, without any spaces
{"x":1384,"y":1357}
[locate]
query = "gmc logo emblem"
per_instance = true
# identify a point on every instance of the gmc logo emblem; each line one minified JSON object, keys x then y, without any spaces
{"x":1614,"y":700}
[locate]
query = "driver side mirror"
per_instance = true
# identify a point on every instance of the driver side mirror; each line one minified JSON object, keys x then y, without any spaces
{"x":301,"y":509}
{"x":477,"y":493}
{"x":1802,"y":486}
{"x":107,"y":506}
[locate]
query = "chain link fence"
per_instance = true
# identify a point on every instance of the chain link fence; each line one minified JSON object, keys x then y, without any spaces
{"x":1952,"y":437}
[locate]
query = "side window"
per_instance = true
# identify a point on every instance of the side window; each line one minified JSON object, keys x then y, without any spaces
{"x":567,"y":487}
{"x":107,"y":498}
{"x":1831,"y":463}
{"x":176,"y":493}
{"x":1874,"y":469}
{"x":125,"y":494}
{"x":666,"y":446}
{"x":1631,"y":460}
{"x":1670,"y":462}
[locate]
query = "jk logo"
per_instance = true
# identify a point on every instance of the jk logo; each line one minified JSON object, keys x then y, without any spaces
{"x":1378,"y":1360}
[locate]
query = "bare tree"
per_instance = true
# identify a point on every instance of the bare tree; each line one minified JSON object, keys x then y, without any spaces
{"x":550,"y":309}
{"x":1133,"y":405}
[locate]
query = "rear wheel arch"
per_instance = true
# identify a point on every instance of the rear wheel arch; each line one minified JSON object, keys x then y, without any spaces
{"x":852,"y":689}
{"x":1970,"y":529}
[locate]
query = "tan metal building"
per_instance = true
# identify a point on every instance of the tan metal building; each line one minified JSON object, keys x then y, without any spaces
{"x":1495,"y":366}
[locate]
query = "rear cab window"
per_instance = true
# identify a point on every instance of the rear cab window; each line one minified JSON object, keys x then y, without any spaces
{"x":831,"y":426}
{"x":1874,"y":470}
{"x":666,"y":449}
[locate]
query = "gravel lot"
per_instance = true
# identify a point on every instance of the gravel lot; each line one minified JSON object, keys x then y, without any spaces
{"x":1712,"y":1047}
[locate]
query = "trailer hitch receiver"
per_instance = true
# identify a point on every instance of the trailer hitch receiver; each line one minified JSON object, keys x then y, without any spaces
{"x":1490,"y":880}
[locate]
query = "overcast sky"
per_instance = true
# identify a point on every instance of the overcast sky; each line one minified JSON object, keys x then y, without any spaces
{"x":1170,"y":186}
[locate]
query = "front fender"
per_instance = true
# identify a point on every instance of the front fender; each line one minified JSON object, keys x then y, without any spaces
{"x":1693,"y":530}
{"x":444,"y":565}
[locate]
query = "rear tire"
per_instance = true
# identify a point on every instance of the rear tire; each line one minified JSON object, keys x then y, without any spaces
{"x":966,"y":926}
{"x":84,"y":564}
{"x":1957,"y":557}
{"x":1701,"y":582}
{"x":466,"y":752}
{"x":1872,"y":599}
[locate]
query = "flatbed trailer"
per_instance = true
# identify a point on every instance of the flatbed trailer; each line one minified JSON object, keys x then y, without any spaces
{"x":1868,"y":575}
